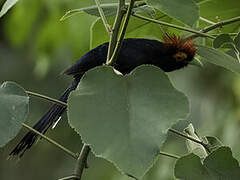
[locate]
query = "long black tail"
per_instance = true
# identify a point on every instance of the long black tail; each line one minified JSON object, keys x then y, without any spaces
{"x":51,"y":117}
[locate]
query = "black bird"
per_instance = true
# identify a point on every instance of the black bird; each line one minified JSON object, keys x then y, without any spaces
{"x":171,"y":54}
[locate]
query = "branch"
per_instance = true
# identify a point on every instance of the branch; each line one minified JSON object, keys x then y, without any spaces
{"x":190,"y":138}
{"x":169,"y":155}
{"x":173,"y":26}
{"x":115,"y":30}
{"x":217,"y":25}
{"x":47,"y":98}
{"x":100,"y":10}
{"x":81,"y":162}
{"x":121,"y":38}
{"x":51,"y":141}
{"x":206,"y":20}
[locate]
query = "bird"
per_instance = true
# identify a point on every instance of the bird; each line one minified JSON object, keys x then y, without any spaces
{"x":170,"y":54}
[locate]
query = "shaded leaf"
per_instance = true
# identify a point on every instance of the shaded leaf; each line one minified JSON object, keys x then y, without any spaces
{"x":125,"y":118}
{"x":222,"y":39}
{"x":6,"y":6}
{"x":13,"y":110}
{"x":237,"y":41}
{"x":220,"y":164}
{"x":185,"y":11}
{"x":213,"y":143}
{"x":109,"y":10}
{"x":219,"y":58}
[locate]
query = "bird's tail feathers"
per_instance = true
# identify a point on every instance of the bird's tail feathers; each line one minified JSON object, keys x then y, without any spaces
{"x":52,"y":116}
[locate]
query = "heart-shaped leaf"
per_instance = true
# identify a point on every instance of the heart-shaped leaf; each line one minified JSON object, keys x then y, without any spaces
{"x":13,"y":110}
{"x":125,"y":118}
{"x":220,"y":164}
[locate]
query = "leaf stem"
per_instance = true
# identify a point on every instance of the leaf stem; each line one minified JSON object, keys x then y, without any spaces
{"x":190,"y":138}
{"x":173,"y":26}
{"x":103,"y":17}
{"x":81,"y":162}
{"x":169,"y":155}
{"x":47,"y":98}
{"x":115,"y":30}
{"x":67,"y":151}
{"x":121,"y":38}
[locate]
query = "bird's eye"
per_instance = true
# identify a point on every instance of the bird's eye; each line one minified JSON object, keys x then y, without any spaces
{"x":180,"y":56}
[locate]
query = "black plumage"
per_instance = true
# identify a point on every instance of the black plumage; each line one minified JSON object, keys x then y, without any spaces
{"x":174,"y":53}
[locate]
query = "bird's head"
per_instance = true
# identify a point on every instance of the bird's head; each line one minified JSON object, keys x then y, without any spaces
{"x":180,"y":52}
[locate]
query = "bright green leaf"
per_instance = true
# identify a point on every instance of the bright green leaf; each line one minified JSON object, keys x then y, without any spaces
{"x":13,"y":110}
{"x":220,"y":164}
{"x":6,"y":6}
{"x":219,"y":58}
{"x":125,"y":118}
{"x":185,"y":11}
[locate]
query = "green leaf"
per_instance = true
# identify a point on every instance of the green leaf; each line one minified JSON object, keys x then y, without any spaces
{"x":13,"y":110}
{"x":6,"y":6}
{"x":185,"y":11}
{"x":109,"y":10}
{"x":189,"y":167}
{"x":194,"y":147}
{"x":219,"y":58}
{"x":222,"y":39}
{"x":237,"y":41}
{"x":125,"y":118}
{"x":220,"y":164}
{"x":213,"y":143}
{"x":196,"y":62}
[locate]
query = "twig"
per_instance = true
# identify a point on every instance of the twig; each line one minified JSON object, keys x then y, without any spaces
{"x":217,"y":25}
{"x":220,"y":24}
{"x":169,"y":155}
{"x":47,"y":98}
{"x":52,"y":141}
{"x":115,"y":30}
{"x":206,"y":20}
{"x":69,"y":177}
{"x":190,"y":138}
{"x":174,"y":26}
{"x":230,"y":34}
{"x":81,"y":162}
{"x":121,"y":38}
{"x":100,"y":10}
